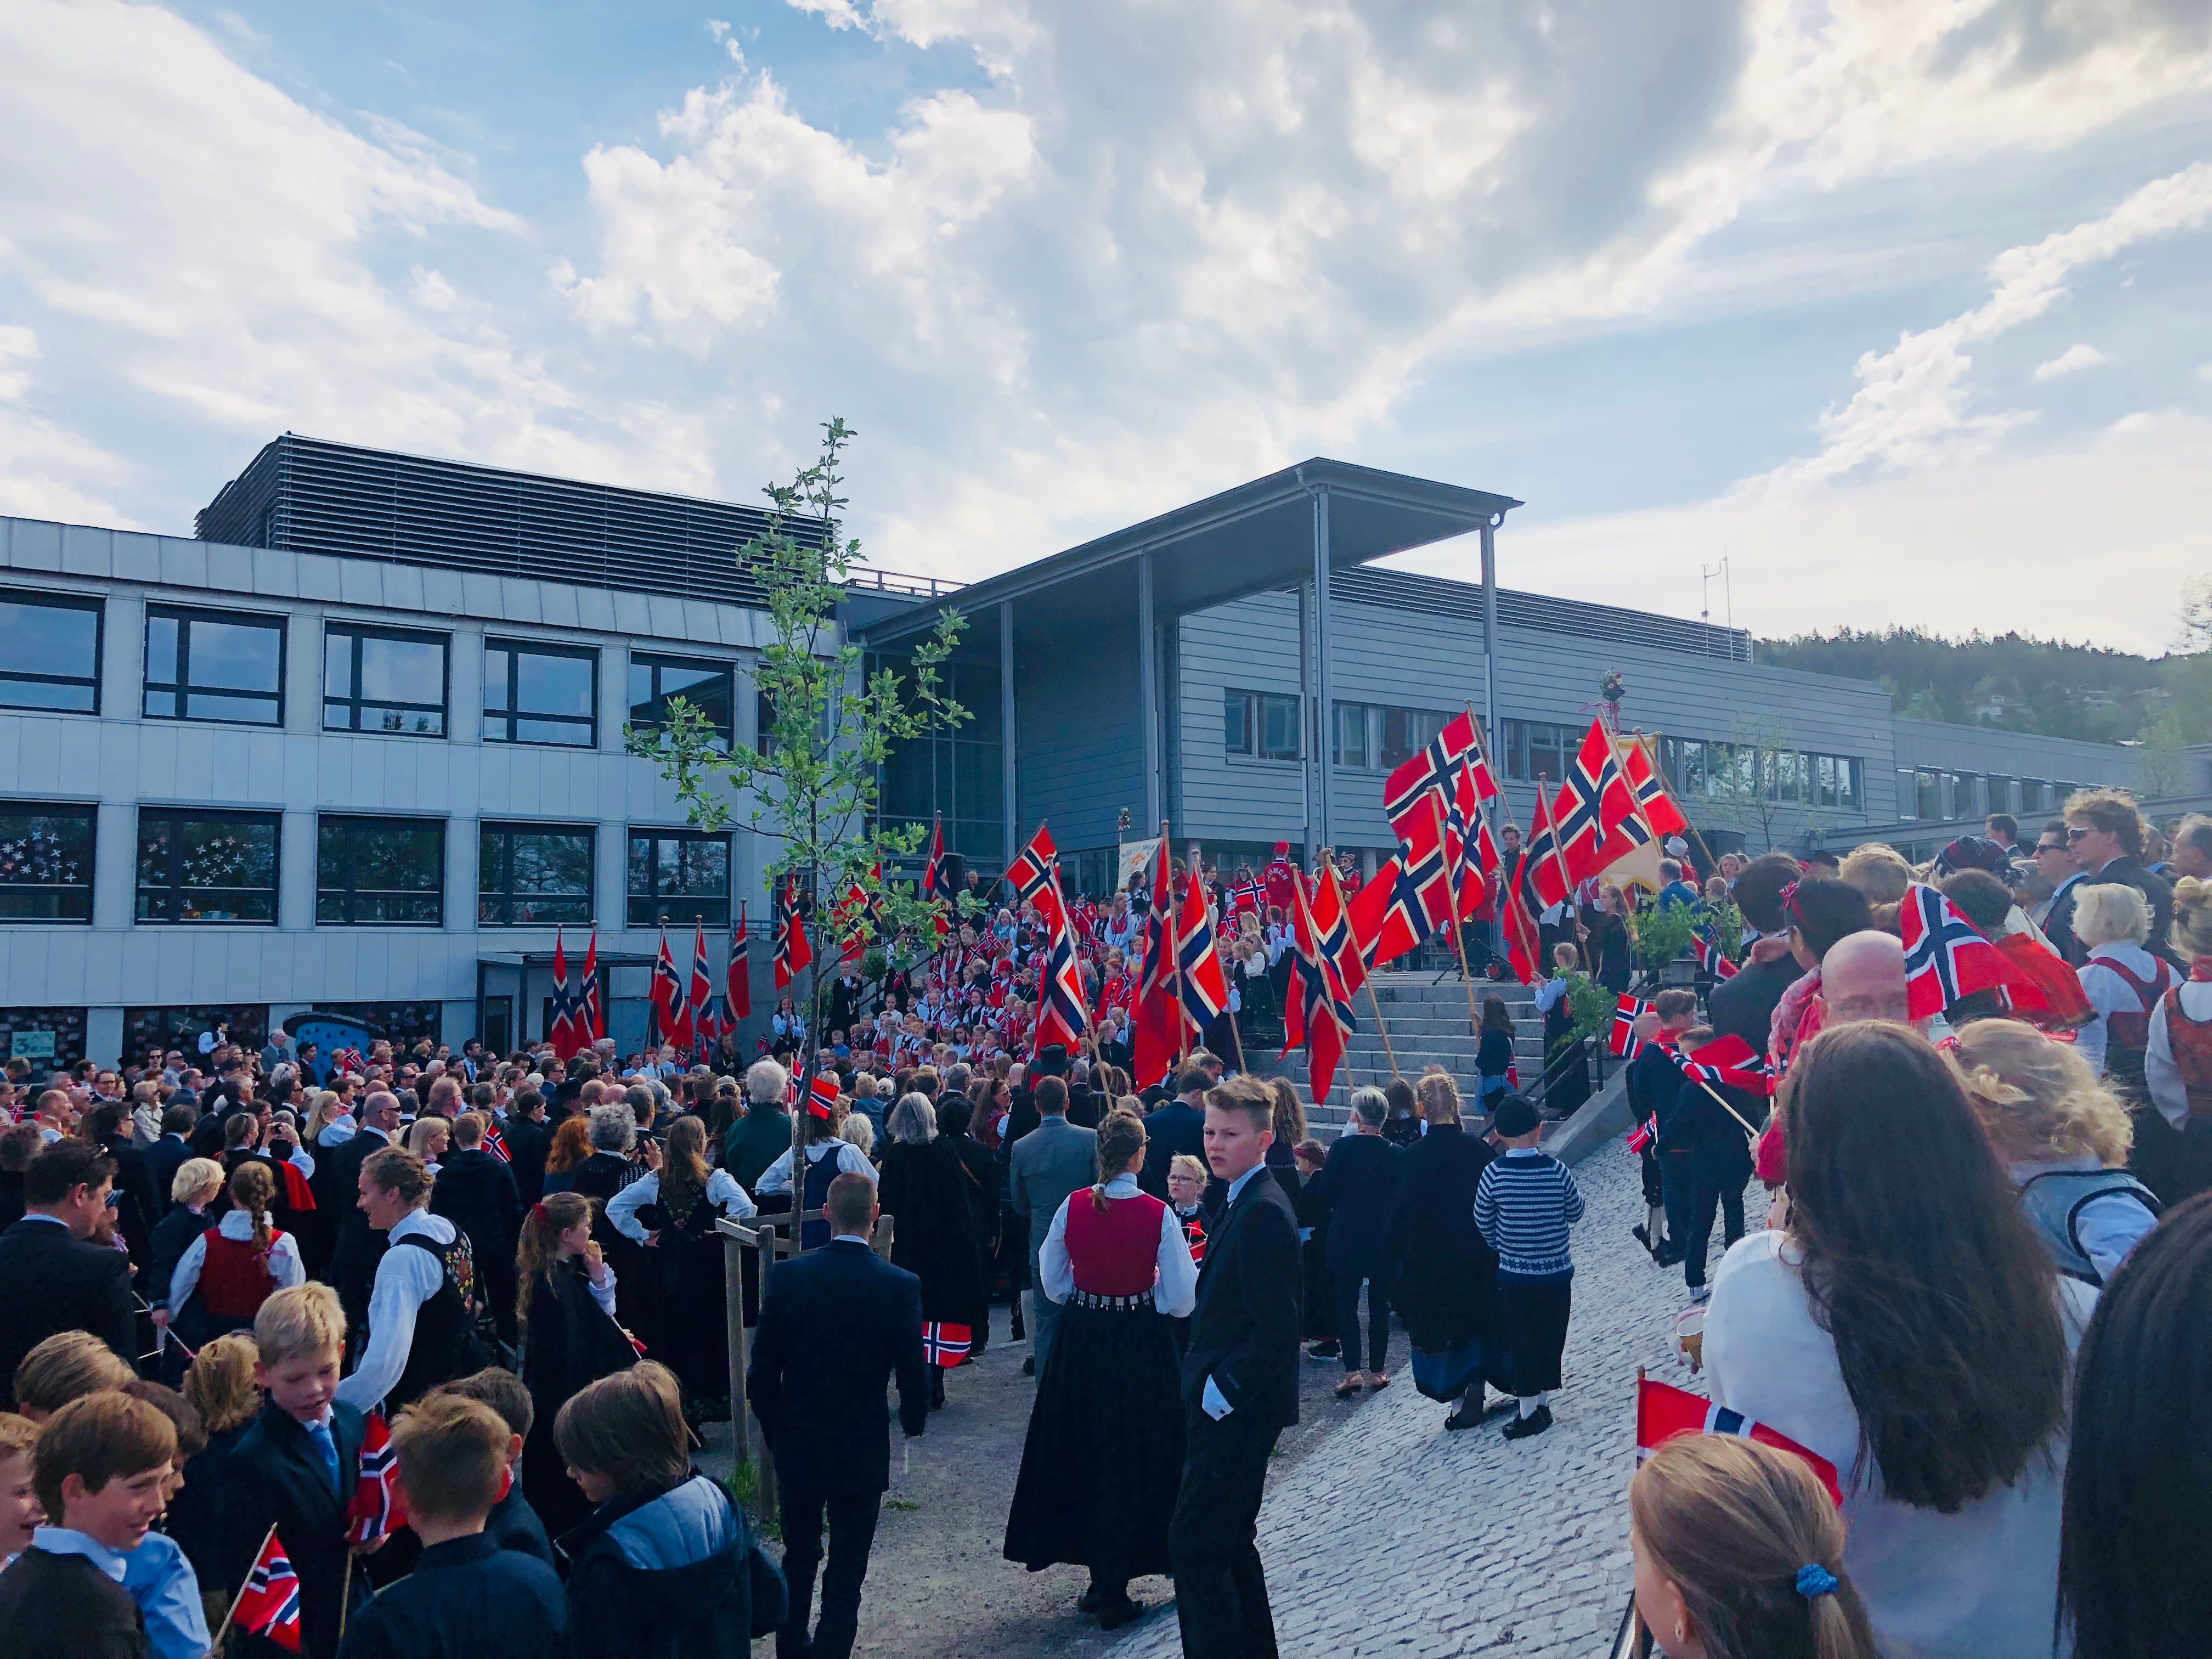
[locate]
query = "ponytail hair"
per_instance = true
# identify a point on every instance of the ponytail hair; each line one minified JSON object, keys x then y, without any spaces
{"x":252,"y":1189}
{"x":539,"y":1246}
{"x":1755,"y":1545}
{"x":1121,"y":1142}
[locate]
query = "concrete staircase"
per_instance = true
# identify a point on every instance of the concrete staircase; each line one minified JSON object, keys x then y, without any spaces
{"x":1429,"y":1025}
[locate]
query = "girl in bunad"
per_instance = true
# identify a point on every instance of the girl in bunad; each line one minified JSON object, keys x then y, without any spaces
{"x":1105,"y":1454}
{"x":565,"y":1303}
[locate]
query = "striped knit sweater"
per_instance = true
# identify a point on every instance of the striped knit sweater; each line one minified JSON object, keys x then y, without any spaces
{"x":1523,"y":1206}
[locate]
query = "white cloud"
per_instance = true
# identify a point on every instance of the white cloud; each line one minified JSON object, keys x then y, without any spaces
{"x":726,"y":38}
{"x":838,"y":14}
{"x":2075,"y":359}
{"x":46,"y":471}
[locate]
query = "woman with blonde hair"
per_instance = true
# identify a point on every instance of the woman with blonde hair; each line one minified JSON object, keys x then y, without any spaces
{"x":1103,"y":1456}
{"x":330,"y":1121}
{"x":2064,"y":1139}
{"x":238,"y":1264}
{"x":191,"y":1190}
{"x":427,"y":1139}
{"x":2174,"y":1133}
{"x":2123,"y":980}
{"x":1878,"y":871}
{"x":1739,"y":1554}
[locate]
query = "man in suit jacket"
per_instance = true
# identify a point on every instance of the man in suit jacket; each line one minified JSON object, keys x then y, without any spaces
{"x":169,"y":1154}
{"x":1175,"y":1127}
{"x":54,"y":1280}
{"x":528,"y":1138}
{"x":1744,"y":1005}
{"x":2105,"y":832}
{"x":1240,"y":1386}
{"x":835,"y":1323}
{"x":357,"y":1247}
{"x":1043,"y":1167}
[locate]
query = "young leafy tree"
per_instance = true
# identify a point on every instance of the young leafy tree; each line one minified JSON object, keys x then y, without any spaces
{"x":811,"y":784}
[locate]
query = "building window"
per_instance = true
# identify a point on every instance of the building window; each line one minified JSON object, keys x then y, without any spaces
{"x":384,"y":679}
{"x":211,"y":665}
{"x":541,"y":694}
{"x":49,"y":652}
{"x":1849,"y":775}
{"x":199,"y":865}
{"x":531,"y":875}
{"x":679,"y":876}
{"x":379,"y":873}
{"x":1927,"y":795}
{"x":46,"y":862}
{"x":709,"y":687}
{"x":1349,"y":743}
{"x":1404,"y":730}
{"x":1260,"y":724}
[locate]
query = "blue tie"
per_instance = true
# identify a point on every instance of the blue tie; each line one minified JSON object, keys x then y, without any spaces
{"x":329,"y":1448}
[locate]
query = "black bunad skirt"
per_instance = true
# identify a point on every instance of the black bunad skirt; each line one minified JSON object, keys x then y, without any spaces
{"x":1103,"y":1459}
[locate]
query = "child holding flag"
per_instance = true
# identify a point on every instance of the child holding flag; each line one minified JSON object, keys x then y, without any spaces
{"x":297,"y":1468}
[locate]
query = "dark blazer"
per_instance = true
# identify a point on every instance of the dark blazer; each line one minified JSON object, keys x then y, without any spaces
{"x":172,"y":1235}
{"x":163,"y":1159}
{"x":81,"y":1287}
{"x":64,"y":1604}
{"x":1744,"y":1006}
{"x":2058,"y":926}
{"x":139,"y":1206}
{"x":1359,"y":1183}
{"x":354,"y":1244}
{"x":277,"y":1477}
{"x":1170,"y":1129}
{"x":1245,"y":1331}
{"x":835,"y":1323}
{"x":475,"y":1191}
{"x":527,"y":1143}
{"x":466,"y":1598}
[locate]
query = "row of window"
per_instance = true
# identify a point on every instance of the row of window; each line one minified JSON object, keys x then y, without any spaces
{"x":1267,"y":726}
{"x":229,"y":666}
{"x":199,"y":865}
{"x":1940,"y":795}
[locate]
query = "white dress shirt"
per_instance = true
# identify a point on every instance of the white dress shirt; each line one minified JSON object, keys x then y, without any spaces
{"x":2167,"y":1092}
{"x":2110,"y":995}
{"x":722,"y":1191}
{"x":284,"y":1265}
{"x":1174,"y":1286}
{"x":405,"y":1279}
{"x":851,"y":1160}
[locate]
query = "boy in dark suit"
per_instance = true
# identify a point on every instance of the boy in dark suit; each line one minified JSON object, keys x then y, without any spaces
{"x":81,"y":1287}
{"x":835,"y":1324}
{"x":1240,"y":1385}
{"x":512,"y":1524}
{"x":297,"y":1466}
{"x":101,"y":1468}
{"x":467,"y":1598}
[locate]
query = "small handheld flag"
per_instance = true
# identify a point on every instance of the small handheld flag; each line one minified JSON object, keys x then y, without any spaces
{"x":822,"y":1095}
{"x":269,"y":1605}
{"x":1946,"y":955}
{"x":1663,"y":1412}
{"x":377,"y":1508}
{"x":1711,"y":956}
{"x":496,"y":1144}
{"x":945,"y":1345}
{"x":1623,"y":1040}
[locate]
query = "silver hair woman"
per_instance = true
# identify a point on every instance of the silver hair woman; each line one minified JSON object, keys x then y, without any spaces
{"x":913,"y":1121}
{"x":765,"y":1082}
{"x":613,"y":1127}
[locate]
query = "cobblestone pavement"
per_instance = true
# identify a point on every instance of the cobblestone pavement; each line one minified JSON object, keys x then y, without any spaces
{"x":1393,"y":1536}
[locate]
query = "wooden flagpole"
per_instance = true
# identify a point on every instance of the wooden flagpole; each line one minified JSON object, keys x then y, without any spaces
{"x":1458,"y":934}
{"x":1724,"y":1106}
{"x":1367,"y":973}
{"x":223,"y":1630}
{"x":1374,"y":1002}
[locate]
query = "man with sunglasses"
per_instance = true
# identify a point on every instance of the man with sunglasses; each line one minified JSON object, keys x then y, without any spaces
{"x":2056,"y":864}
{"x":2105,"y":832}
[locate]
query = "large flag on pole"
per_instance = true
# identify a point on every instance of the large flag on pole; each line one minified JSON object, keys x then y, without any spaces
{"x":792,"y":952}
{"x":937,"y":880}
{"x":1205,"y":988}
{"x":738,"y":981}
{"x":1340,"y":950}
{"x":1431,"y":773}
{"x":1158,"y":1038}
{"x":1660,"y":811}
{"x":1061,"y":1017}
{"x":595,"y":1015}
{"x":1031,"y":874}
{"x":562,"y":1026}
{"x":1313,"y":1017}
{"x":702,"y":1010}
{"x":671,"y":1024}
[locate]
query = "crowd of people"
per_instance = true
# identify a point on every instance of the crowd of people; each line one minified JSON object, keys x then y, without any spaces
{"x":262,"y":1280}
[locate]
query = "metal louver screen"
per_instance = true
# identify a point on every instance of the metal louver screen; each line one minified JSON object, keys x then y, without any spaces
{"x":1400,"y":590}
{"x":306,"y":496}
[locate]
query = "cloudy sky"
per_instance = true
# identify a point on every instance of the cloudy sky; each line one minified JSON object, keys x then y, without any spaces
{"x":1903,"y":307}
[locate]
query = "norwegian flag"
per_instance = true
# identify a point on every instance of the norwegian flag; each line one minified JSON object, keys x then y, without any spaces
{"x":1663,"y":1412}
{"x":822,"y":1095}
{"x":701,"y":1011}
{"x":1158,"y":1040}
{"x":1711,"y":956}
{"x":560,"y":1026}
{"x":1061,"y":1014}
{"x":1205,"y":990}
{"x":1730,"y":1061}
{"x":269,"y":1605}
{"x":1469,"y":849}
{"x":936,"y":879}
{"x":672,"y":1021}
{"x":1030,"y":874}
{"x":1429,"y":774}
{"x":1332,"y":923}
{"x":496,"y":1144}
{"x":1410,"y":897}
{"x":1524,"y":941}
{"x":1622,"y":1040}
{"x":349,"y":1062}
{"x":1193,"y":1237}
{"x":1590,"y":813}
{"x":1660,"y":811}
{"x":945,"y":1344}
{"x":793,"y":954}
{"x":594,"y":1017}
{"x":1250,"y":896}
{"x":737,"y":978}
{"x":377,"y":1508}
{"x":1314,"y":1017}
{"x":1640,"y":1137}
{"x":1946,"y":955}
{"x":1544,"y":865}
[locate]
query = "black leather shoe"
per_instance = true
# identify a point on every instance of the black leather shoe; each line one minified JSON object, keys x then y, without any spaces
{"x":1121,"y":1611}
{"x":1029,"y":1366}
{"x":1535,"y":1422}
